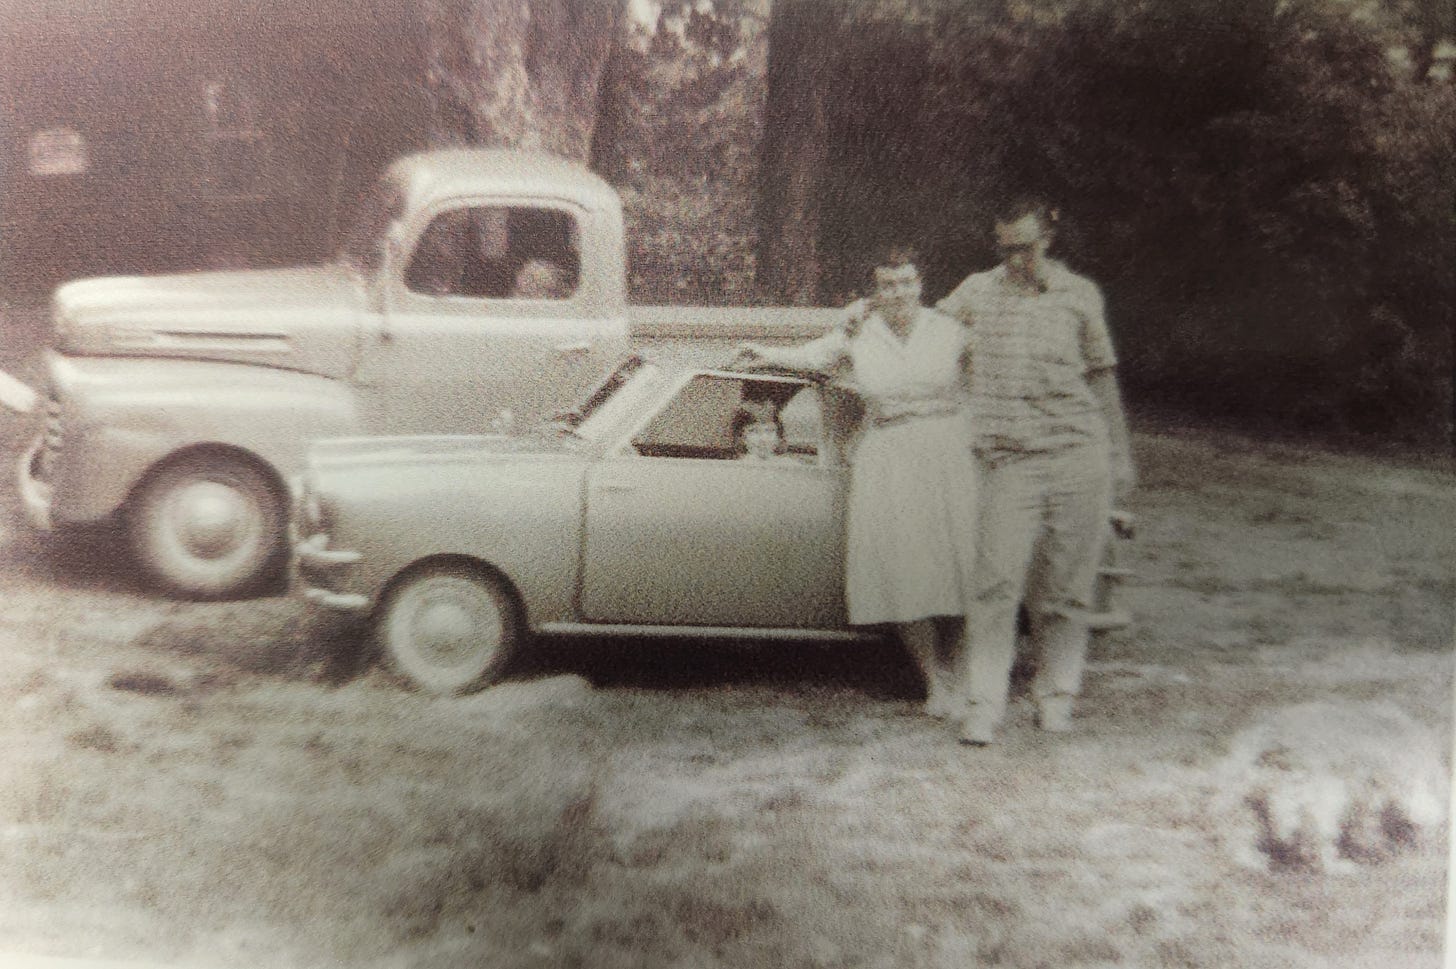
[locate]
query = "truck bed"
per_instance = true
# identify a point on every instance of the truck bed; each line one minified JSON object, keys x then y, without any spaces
{"x":774,"y":323}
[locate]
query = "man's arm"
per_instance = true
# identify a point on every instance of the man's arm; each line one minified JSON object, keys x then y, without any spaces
{"x":1103,"y":383}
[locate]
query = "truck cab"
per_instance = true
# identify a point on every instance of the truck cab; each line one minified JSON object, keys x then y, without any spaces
{"x":478,"y":289}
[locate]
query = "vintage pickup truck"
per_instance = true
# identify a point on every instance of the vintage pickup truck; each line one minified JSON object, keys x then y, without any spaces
{"x":477,"y":289}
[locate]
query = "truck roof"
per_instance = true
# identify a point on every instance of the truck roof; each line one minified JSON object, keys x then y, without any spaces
{"x":452,"y":172}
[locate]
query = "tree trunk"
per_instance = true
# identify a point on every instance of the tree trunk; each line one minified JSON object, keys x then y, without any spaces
{"x":518,"y":73}
{"x":795,"y":149}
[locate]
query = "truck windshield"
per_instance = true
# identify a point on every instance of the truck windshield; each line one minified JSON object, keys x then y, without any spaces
{"x":363,"y":247}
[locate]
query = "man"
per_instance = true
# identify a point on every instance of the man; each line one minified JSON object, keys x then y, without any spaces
{"x":1052,"y":448}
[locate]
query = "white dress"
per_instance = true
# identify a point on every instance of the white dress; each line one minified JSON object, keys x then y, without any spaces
{"x":912,"y":495}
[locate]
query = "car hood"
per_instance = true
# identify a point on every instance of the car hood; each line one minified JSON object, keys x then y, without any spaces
{"x":304,"y":318}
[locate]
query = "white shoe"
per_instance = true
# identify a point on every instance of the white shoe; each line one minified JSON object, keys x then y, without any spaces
{"x":939,"y":706}
{"x":978,"y":728}
{"x":1054,"y":713}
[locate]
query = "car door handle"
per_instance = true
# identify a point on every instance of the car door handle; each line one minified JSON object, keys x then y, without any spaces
{"x":573,"y":349}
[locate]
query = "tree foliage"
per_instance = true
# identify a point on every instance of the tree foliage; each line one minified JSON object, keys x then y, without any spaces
{"x":1265,"y":192}
{"x":679,"y":136}
{"x":519,"y":73}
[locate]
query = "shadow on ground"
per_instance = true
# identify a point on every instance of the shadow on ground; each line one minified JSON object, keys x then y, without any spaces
{"x":879,"y":670}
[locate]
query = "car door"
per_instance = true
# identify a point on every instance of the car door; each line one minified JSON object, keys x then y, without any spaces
{"x":681,"y":532}
{"x":462,"y":348}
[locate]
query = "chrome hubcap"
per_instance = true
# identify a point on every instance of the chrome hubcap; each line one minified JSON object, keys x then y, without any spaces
{"x":447,"y":628}
{"x":211,"y":520}
{"x":443,"y":630}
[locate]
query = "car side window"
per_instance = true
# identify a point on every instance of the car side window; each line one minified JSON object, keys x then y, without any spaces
{"x":497,"y":252}
{"x":711,"y":417}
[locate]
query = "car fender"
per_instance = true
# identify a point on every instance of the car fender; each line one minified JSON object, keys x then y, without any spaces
{"x":519,"y":515}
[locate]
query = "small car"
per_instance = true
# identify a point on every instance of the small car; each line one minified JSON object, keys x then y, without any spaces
{"x":641,"y":514}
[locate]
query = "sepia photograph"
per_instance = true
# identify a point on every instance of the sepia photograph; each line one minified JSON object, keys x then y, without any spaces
{"x":727,"y":484}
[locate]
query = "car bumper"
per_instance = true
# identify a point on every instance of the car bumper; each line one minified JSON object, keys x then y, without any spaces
{"x":16,"y":395}
{"x":35,"y":494}
{"x":316,"y":567}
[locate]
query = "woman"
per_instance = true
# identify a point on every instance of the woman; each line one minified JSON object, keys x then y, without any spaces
{"x":912,"y":497}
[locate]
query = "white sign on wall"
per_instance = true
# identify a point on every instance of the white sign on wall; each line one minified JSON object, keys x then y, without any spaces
{"x":58,"y":151}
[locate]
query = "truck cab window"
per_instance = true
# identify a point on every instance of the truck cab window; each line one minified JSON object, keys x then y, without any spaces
{"x":497,"y":252}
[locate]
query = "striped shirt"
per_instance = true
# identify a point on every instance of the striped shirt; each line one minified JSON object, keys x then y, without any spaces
{"x":1030,"y":357}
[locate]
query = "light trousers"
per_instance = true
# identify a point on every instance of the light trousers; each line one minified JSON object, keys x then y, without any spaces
{"x":1041,"y":532}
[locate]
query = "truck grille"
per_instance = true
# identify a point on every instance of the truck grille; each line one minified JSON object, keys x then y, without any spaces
{"x":51,"y":436}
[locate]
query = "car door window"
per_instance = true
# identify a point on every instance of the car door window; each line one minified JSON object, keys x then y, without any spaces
{"x":708,"y":418}
{"x":497,"y":252}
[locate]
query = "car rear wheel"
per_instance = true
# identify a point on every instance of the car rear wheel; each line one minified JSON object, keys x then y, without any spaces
{"x":448,"y":628}
{"x":207,"y":526}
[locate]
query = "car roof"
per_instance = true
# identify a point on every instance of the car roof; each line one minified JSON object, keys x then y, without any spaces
{"x":443,"y":173}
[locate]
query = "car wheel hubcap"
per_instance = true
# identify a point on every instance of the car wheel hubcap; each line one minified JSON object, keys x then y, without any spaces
{"x":211,"y":520}
{"x":442,"y":631}
{"x":448,"y":627}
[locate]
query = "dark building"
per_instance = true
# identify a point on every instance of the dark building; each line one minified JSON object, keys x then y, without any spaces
{"x":146,"y":135}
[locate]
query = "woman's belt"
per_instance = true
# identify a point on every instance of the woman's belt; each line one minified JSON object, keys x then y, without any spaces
{"x":884,"y":413}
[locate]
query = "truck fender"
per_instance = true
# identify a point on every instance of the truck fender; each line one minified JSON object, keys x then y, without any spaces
{"x":117,"y":436}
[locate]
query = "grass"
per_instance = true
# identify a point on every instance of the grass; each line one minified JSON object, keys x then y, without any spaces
{"x":194,"y":783}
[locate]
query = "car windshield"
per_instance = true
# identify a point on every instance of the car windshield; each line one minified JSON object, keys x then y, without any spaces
{"x":604,"y":408}
{"x":363,"y":246}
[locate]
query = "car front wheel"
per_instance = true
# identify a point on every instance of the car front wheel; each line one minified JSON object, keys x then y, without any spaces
{"x":448,"y":628}
{"x":207,"y":526}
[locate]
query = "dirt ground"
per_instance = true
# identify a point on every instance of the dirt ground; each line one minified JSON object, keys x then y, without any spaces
{"x":216,"y":785}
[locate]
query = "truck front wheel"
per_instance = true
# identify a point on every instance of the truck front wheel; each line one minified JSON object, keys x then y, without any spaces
{"x":207,"y":526}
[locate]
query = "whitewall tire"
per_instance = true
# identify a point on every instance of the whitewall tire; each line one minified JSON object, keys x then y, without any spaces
{"x":207,"y":526}
{"x":448,"y":628}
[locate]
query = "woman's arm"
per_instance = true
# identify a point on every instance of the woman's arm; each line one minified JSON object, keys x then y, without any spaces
{"x":821,"y":353}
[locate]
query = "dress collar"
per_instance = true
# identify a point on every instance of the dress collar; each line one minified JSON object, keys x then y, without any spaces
{"x":886,"y":333}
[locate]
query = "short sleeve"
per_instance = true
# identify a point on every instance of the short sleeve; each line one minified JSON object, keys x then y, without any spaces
{"x":958,"y":302}
{"x":957,"y":332}
{"x":1097,"y":352}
